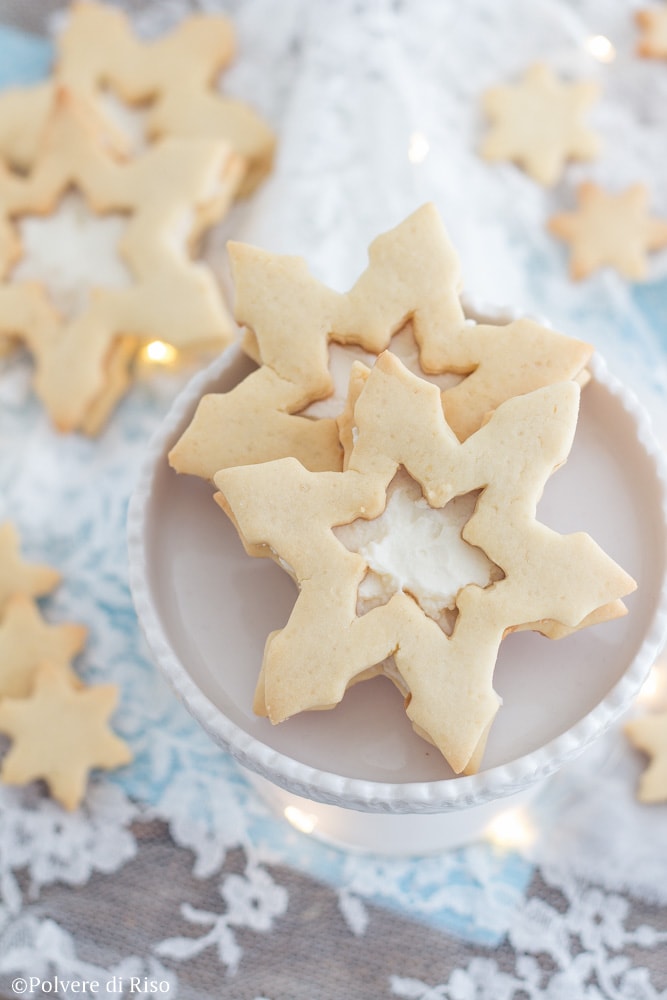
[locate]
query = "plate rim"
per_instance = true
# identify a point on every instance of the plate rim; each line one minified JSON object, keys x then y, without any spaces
{"x":441,"y":795}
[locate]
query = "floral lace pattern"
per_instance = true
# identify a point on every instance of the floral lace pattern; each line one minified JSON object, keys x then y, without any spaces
{"x":586,"y":940}
{"x":581,"y":913}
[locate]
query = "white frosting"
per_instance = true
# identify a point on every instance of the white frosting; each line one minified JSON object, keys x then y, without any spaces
{"x":342,"y":357}
{"x":282,"y":562}
{"x":418,"y":549}
{"x":70,"y":251}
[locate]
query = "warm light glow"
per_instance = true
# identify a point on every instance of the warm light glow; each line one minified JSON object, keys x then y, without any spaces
{"x":601,"y":48}
{"x":511,"y":829}
{"x":159,"y":353}
{"x":654,"y":687}
{"x":305,"y":822}
{"x":418,"y":147}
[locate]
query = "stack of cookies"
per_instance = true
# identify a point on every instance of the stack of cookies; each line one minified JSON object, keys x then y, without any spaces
{"x":130,"y":153}
{"x":389,"y":454}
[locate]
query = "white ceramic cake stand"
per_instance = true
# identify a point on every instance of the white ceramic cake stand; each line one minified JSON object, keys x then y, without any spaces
{"x":358,"y":776}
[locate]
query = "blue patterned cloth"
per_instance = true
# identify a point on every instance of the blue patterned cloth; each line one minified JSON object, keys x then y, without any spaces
{"x":24,"y":58}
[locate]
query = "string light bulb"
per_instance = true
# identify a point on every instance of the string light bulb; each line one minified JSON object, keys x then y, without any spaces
{"x":305,"y":822}
{"x":511,"y":829}
{"x":654,"y":688}
{"x":159,"y":353}
{"x":601,"y":48}
{"x":418,"y":147}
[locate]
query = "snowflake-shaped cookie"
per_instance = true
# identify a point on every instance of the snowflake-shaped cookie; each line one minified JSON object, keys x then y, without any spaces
{"x":167,"y":197}
{"x":613,"y":230}
{"x":171,"y":82}
{"x":649,"y":733}
{"x":26,"y":639}
{"x":538,"y":123}
{"x":653,"y":40}
{"x":59,"y":733}
{"x":286,"y":512}
{"x":409,"y":293}
{"x":18,"y":576}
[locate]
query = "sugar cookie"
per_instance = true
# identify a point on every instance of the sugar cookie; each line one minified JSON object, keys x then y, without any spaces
{"x":653,"y":38}
{"x":26,"y":639}
{"x":59,"y":733}
{"x":286,"y":512}
{"x":18,"y":576}
{"x":649,"y":734}
{"x":410,"y":287}
{"x":538,"y":123}
{"x":610,"y":230}
{"x":170,"y":81}
{"x":166,"y":196}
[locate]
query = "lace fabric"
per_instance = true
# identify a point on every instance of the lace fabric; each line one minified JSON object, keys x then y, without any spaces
{"x":582,"y":911}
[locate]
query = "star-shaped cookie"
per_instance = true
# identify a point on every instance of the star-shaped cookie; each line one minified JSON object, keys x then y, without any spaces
{"x":649,"y":734}
{"x":653,"y":38}
{"x":283,"y":511}
{"x":612,"y":230}
{"x":293,"y":322}
{"x":26,"y":639}
{"x":60,"y":733}
{"x":539,"y":123}
{"x":18,"y":576}
{"x":168,"y":196}
{"x":171,"y":81}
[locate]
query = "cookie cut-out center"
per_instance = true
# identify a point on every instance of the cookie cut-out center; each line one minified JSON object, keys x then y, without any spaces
{"x":341,"y":359}
{"x":71,"y":251}
{"x":129,"y":119}
{"x":343,"y":356}
{"x":418,"y":549}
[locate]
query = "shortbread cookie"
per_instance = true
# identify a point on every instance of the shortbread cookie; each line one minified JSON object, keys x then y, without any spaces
{"x":348,"y":435}
{"x":26,"y":639}
{"x":409,"y":294}
{"x":165,"y":196}
{"x":18,"y":576}
{"x":653,"y":25}
{"x":59,"y":733}
{"x":612,"y":230}
{"x":171,"y":82}
{"x":117,"y":380}
{"x":286,"y":512}
{"x":23,"y":115}
{"x":539,"y":123}
{"x":649,"y":734}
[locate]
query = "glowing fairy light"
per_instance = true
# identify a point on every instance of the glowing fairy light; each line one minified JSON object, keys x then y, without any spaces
{"x":159,"y":353}
{"x":511,"y":829}
{"x":305,"y":822}
{"x":418,"y":147}
{"x":601,"y":48}
{"x":654,"y":688}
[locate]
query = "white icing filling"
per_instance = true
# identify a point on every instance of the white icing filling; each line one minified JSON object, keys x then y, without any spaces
{"x":71,"y":251}
{"x":418,"y":549}
{"x":282,"y":562}
{"x":342,"y":357}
